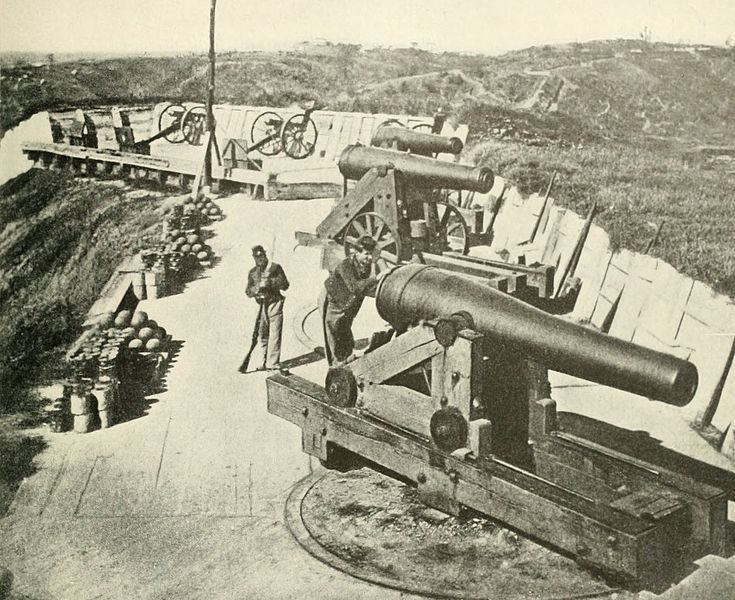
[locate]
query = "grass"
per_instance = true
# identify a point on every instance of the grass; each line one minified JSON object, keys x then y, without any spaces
{"x":635,"y":187}
{"x":60,"y":240}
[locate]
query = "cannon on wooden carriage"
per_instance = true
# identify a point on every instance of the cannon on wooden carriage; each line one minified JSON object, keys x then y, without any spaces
{"x":458,"y":404}
{"x":296,"y":136}
{"x":176,"y":124}
{"x":394,"y":200}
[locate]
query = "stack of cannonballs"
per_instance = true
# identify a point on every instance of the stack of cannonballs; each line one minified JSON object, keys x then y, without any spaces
{"x":103,"y":365}
{"x":204,"y":206}
{"x":189,"y":244}
{"x":139,"y":332}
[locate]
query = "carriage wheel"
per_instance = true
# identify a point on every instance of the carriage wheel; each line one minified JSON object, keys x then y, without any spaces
{"x":171,"y":115}
{"x":299,"y":136}
{"x":423,"y":127}
{"x":391,"y":123}
{"x":372,"y":224}
{"x":192,"y":125}
{"x":267,"y":125}
{"x":452,"y":223}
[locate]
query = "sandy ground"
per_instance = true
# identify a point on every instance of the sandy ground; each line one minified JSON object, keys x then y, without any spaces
{"x":187,"y":500}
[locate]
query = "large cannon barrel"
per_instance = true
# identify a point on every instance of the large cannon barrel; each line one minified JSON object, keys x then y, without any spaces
{"x":413,"y":292}
{"x":416,"y":141}
{"x":357,"y":160}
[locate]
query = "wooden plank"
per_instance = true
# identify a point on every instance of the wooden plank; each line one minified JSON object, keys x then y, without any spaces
{"x":456,"y":373}
{"x":399,"y":406}
{"x":400,"y":354}
{"x":516,"y":281}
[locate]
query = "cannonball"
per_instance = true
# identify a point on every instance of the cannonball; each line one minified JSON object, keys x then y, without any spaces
{"x":107,"y":320}
{"x":151,"y":324}
{"x":174,"y":233}
{"x":129,"y":333}
{"x":153,"y":344}
{"x":139,"y":319}
{"x":162,"y":333}
{"x":146,"y":333}
{"x":192,"y":238}
{"x":203,"y":256}
{"x":135,"y":344}
{"x":123,"y":318}
{"x":214,"y":211}
{"x":196,"y":248}
{"x":186,"y":248}
{"x":180,"y":240}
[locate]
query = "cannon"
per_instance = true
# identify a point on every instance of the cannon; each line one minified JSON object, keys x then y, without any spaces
{"x":397,"y":201}
{"x":418,"y":142}
{"x":394,"y":202}
{"x":455,"y":399}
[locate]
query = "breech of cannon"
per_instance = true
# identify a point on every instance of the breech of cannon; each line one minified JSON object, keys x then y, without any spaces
{"x":357,"y":160}
{"x":416,"y":141}
{"x":411,"y":293}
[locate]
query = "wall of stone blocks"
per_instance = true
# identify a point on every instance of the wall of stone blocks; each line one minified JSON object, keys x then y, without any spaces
{"x":654,"y":305}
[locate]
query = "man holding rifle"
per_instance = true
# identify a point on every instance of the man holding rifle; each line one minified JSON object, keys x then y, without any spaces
{"x":266,"y":281}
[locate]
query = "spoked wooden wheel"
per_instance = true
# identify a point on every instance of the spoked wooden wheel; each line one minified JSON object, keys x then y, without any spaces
{"x":192,"y":124}
{"x":299,"y":136}
{"x":267,"y":126}
{"x":373,"y":225}
{"x":452,"y":223}
{"x":171,"y":117}
{"x":391,"y":123}
{"x":423,"y":127}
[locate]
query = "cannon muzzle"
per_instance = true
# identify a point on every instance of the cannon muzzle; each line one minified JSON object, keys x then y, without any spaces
{"x":423,"y":171}
{"x":415,"y":141}
{"x":413,"y":292}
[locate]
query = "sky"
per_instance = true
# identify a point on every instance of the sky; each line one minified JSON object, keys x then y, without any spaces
{"x":482,"y":26}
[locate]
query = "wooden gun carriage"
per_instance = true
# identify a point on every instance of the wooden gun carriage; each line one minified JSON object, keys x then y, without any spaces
{"x":458,"y":404}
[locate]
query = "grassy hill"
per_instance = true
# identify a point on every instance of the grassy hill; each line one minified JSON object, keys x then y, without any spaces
{"x":616,"y":89}
{"x":60,"y":240}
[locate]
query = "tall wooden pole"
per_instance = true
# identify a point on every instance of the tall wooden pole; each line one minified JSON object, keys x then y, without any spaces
{"x":210,"y":99}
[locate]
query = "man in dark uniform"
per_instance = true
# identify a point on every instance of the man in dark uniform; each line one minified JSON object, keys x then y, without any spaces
{"x":266,"y":281}
{"x":346,"y":288}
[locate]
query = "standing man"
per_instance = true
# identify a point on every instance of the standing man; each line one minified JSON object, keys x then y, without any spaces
{"x":266,"y":281}
{"x":346,"y":288}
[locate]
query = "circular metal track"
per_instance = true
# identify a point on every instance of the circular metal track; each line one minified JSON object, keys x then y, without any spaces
{"x":307,"y":532}
{"x":267,"y":125}
{"x":373,"y":225}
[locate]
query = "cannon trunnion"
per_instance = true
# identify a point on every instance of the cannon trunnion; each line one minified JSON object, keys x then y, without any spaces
{"x":458,"y":402}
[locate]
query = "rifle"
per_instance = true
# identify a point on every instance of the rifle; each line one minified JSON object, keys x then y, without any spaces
{"x":253,"y":342}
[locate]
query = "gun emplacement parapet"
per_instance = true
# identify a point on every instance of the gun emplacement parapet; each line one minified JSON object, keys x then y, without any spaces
{"x":459,"y":404}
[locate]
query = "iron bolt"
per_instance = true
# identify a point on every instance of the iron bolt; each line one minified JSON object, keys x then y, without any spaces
{"x":421,"y":478}
{"x":324,"y":431}
{"x":444,"y":401}
{"x":453,"y":476}
{"x":455,"y":376}
{"x":305,"y":412}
